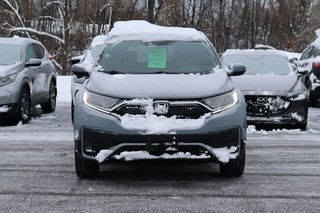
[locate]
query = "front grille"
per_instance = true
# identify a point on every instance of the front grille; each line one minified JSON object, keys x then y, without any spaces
{"x":266,"y":105}
{"x":193,"y":111}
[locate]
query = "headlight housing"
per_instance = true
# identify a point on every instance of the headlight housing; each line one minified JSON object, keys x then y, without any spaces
{"x":299,"y":92}
{"x":7,"y":79}
{"x":99,"y":102}
{"x":222,"y":102}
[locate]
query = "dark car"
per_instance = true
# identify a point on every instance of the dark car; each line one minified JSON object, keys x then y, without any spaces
{"x":27,"y":78}
{"x":310,"y":60}
{"x":273,"y":91}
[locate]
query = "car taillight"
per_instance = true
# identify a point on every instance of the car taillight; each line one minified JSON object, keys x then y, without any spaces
{"x":51,"y":58}
{"x":316,"y":65}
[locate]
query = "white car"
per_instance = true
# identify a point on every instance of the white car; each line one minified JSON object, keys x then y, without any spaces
{"x":88,"y":61}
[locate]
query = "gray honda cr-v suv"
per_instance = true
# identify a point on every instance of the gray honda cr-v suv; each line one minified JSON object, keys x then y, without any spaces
{"x":27,"y":78}
{"x":159,"y":92}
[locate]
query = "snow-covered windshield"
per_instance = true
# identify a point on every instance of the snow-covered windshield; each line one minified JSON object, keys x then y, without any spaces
{"x":260,"y":64}
{"x":9,"y":54}
{"x":95,"y":52}
{"x":172,"y":57}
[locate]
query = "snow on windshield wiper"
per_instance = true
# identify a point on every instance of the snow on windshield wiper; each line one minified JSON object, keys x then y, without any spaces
{"x":111,"y":72}
{"x":163,"y":72}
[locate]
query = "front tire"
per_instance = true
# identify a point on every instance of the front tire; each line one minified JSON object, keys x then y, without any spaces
{"x":24,"y":107}
{"x":234,"y":168}
{"x":312,"y":101}
{"x":50,"y":105}
{"x":86,"y":168}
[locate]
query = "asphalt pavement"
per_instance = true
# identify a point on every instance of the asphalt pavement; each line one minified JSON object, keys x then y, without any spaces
{"x":37,"y":174}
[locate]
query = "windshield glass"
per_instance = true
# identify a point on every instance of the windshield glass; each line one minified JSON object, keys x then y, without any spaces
{"x":260,"y":64}
{"x":9,"y":54}
{"x":172,"y":57}
{"x":95,"y":52}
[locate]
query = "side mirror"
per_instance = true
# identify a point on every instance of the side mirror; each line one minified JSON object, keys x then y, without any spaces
{"x":294,"y":60}
{"x":236,"y":69}
{"x":76,"y":60}
{"x":302,"y":71}
{"x":33,"y":62}
{"x":79,"y":71}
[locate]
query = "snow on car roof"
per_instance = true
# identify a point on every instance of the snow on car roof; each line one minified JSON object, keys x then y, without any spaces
{"x":98,"y":40}
{"x":252,"y":51}
{"x":289,"y":55}
{"x":143,"y":30}
{"x":317,"y":41}
{"x":16,"y":40}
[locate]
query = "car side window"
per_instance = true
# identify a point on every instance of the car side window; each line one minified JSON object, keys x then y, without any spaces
{"x":39,"y":50}
{"x":316,"y":52}
{"x":30,"y":53}
{"x":307,"y":53}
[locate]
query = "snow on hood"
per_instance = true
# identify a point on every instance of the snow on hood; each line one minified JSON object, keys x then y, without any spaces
{"x":265,"y":84}
{"x":7,"y":69}
{"x":160,"y":86}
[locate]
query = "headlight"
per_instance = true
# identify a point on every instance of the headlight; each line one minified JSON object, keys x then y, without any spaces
{"x":98,"y":101}
{"x":299,"y":92}
{"x":7,"y":79}
{"x":222,"y":102}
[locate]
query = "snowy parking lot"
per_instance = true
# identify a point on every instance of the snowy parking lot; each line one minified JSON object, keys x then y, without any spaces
{"x":37,"y":173}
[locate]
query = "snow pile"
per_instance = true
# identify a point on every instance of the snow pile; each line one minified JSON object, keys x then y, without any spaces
{"x":4,"y":109}
{"x":150,"y":123}
{"x":103,"y":154}
{"x":153,"y":124}
{"x":142,"y":155}
{"x":296,"y":116}
{"x":223,"y":154}
{"x":144,"y":29}
{"x":64,"y":89}
{"x":252,"y":129}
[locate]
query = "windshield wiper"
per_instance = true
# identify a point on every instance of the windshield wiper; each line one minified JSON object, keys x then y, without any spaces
{"x":111,"y":72}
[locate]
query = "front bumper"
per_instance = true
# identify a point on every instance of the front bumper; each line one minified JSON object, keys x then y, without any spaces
{"x":9,"y":94}
{"x":93,"y":141}
{"x":95,"y":131}
{"x":296,"y":113}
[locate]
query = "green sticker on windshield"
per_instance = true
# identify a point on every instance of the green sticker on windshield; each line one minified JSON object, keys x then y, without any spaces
{"x":157,"y":57}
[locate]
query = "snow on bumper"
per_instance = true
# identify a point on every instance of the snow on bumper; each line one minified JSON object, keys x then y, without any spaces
{"x":223,"y":154}
{"x":222,"y":145}
{"x":97,"y":132}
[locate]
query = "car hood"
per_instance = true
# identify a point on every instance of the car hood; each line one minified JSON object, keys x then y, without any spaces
{"x":265,"y":84}
{"x":160,"y":86}
{"x":8,"y":69}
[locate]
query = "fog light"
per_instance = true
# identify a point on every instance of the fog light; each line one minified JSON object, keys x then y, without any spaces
{"x":89,"y":149}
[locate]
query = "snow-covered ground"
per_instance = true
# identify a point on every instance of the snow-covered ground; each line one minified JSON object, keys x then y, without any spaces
{"x":64,"y":89}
